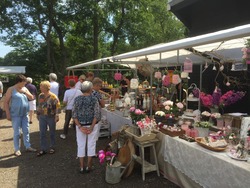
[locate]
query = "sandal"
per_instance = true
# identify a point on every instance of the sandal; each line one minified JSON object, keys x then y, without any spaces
{"x":40,"y":153}
{"x":51,"y":151}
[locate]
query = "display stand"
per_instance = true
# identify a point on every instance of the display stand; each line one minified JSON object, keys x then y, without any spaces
{"x":147,"y":166}
{"x":193,"y":99}
{"x":105,"y":130}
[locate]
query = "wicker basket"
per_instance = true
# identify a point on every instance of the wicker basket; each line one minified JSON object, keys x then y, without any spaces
{"x":172,"y":133}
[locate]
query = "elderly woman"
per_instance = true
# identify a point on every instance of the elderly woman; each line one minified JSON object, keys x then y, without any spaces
{"x":17,"y":109}
{"x":32,"y":103}
{"x":47,"y":114}
{"x":86,"y":114}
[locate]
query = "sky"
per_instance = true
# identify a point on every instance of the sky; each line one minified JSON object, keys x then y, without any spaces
{"x":4,"y":49}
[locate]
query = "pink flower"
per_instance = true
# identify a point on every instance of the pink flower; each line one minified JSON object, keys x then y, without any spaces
{"x":180,"y":105}
{"x":138,"y":112}
{"x":168,"y":103}
{"x":132,"y":109}
{"x":167,"y":108}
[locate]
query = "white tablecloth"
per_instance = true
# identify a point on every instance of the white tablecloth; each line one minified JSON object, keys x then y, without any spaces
{"x":208,"y":168}
{"x":245,"y":126}
{"x":116,"y":119}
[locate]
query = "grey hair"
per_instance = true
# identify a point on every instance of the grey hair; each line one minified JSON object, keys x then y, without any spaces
{"x":52,"y":76}
{"x":83,"y":77}
{"x":86,"y":86}
{"x":29,"y":80}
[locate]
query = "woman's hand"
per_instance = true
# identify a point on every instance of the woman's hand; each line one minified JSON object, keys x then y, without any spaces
{"x":56,"y":118}
{"x":85,"y":130}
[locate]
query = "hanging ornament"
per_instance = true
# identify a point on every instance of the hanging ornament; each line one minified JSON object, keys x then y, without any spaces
{"x":214,"y":68}
{"x":176,"y":79}
{"x":188,"y":65}
{"x":184,"y":74}
{"x":228,"y":83}
{"x":166,"y":80}
{"x":134,"y":83}
{"x":158,"y":74}
{"x":118,"y":76}
{"x":206,"y":66}
{"x":233,"y":67}
{"x":221,"y":67}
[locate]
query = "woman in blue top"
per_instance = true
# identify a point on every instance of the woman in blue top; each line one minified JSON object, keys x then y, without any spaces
{"x":86,"y":114}
{"x":17,"y":109}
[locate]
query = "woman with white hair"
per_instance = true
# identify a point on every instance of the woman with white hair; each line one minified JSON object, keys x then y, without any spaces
{"x":81,"y":79}
{"x":54,"y":85}
{"x":86,"y":114}
{"x":32,"y":103}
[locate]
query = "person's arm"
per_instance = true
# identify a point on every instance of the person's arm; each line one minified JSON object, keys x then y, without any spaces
{"x":1,"y":87}
{"x":7,"y":103}
{"x":105,"y":93}
{"x":26,"y":92}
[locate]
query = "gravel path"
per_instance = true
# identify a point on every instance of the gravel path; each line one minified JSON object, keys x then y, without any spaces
{"x":61,"y":168}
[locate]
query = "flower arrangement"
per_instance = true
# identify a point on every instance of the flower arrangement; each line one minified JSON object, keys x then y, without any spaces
{"x":217,"y":99}
{"x":106,"y":155}
{"x":160,"y":113}
{"x":171,"y":109}
{"x":136,"y":114}
{"x":146,"y":123}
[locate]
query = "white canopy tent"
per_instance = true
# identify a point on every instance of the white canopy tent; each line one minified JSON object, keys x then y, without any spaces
{"x":12,"y":69}
{"x":224,"y":45}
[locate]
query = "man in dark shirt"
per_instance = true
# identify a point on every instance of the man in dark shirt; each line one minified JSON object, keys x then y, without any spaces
{"x":32,"y":104}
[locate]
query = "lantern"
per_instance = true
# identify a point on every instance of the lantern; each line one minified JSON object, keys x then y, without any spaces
{"x":188,"y":65}
{"x":158,"y":74}
{"x":118,"y":76}
{"x":134,"y":83}
{"x":184,"y":74}
{"x":166,"y":80}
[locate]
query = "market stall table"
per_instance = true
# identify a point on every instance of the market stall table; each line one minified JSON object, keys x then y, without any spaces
{"x":207,"y":168}
{"x":116,"y":119}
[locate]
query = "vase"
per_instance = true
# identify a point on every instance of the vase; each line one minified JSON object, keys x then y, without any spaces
{"x":145,"y":131}
{"x":203,"y":132}
{"x":214,"y":110}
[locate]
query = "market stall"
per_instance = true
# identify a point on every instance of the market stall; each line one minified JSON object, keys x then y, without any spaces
{"x":176,"y":155}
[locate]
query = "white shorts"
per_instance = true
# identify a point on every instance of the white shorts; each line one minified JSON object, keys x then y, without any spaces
{"x":32,"y":105}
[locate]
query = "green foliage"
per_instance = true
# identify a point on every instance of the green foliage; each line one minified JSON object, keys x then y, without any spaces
{"x":51,"y":35}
